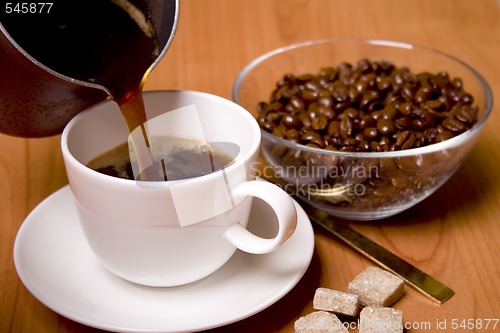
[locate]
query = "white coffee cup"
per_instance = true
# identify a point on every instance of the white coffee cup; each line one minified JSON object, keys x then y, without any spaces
{"x":174,"y":232}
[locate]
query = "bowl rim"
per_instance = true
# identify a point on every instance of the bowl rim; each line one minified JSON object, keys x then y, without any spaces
{"x":447,"y":144}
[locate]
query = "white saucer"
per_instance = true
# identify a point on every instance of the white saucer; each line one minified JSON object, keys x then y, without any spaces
{"x":56,"y":265}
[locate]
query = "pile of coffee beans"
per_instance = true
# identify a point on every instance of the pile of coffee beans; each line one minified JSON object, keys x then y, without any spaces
{"x":371,"y":106}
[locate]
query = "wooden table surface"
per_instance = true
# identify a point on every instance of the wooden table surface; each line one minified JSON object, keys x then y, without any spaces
{"x":453,"y":235}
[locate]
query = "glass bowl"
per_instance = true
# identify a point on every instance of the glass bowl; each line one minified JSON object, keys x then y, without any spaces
{"x":376,"y":182}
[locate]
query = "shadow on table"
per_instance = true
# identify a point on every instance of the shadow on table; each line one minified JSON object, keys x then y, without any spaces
{"x":285,"y":311}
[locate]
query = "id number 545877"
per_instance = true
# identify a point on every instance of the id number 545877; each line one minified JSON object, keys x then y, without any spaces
{"x":28,"y":7}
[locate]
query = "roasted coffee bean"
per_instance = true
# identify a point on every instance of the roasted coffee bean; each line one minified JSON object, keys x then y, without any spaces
{"x":291,"y":121}
{"x":366,"y":121}
{"x":409,"y":142}
{"x":273,"y":116}
{"x":390,"y":111}
{"x":453,"y":125}
{"x":319,"y":123}
{"x":349,"y":113}
{"x":309,"y":95}
{"x":297,"y":103}
{"x":443,"y":136}
{"x":376,"y":147}
{"x":261,"y":107}
{"x":464,"y":113}
{"x":334,"y":129}
{"x":312,"y":137}
{"x":405,"y":109}
{"x":422,"y":95}
{"x":292,"y":135}
{"x":430,"y":134}
{"x":305,"y":120}
{"x":327,"y":112}
{"x":385,"y":141}
{"x":420,"y":140}
{"x":418,"y":125}
{"x":364,"y":146}
{"x":325,"y":101}
{"x":402,"y":123}
{"x":267,"y":126}
{"x":359,"y":137}
{"x":370,"y":133}
{"x":312,"y":85}
{"x":383,"y":84}
{"x":435,"y":104}
{"x":280,"y":131}
{"x":401,"y":138}
{"x":385,"y":126}
{"x":346,"y":127}
{"x":370,"y":101}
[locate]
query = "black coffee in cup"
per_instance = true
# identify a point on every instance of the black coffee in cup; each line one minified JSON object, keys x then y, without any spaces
{"x":177,"y":159}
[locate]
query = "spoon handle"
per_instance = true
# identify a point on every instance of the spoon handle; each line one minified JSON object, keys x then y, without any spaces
{"x":419,"y":280}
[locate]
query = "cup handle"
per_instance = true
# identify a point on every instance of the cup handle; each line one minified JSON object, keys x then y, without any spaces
{"x":284,"y":209}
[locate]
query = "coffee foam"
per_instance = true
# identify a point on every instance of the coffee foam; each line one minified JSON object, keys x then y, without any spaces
{"x":117,"y":157}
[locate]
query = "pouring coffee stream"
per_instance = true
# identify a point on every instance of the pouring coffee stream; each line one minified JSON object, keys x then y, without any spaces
{"x":57,"y":61}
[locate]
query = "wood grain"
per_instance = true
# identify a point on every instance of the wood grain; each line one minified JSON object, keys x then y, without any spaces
{"x":453,"y":235}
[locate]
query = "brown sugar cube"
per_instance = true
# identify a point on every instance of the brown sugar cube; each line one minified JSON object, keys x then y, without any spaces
{"x":319,"y":322}
{"x":380,"y":320}
{"x":377,"y":287}
{"x":336,"y":301}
